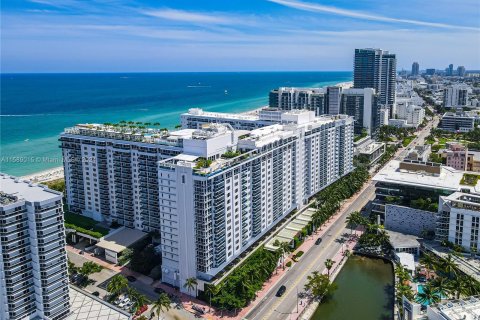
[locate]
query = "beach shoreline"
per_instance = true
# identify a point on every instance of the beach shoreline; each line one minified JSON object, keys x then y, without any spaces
{"x":57,"y":172}
{"x":45,"y":175}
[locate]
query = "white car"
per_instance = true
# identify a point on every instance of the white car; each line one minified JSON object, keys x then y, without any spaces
{"x":124,"y":302}
{"x":118,"y":300}
{"x":128,"y":305}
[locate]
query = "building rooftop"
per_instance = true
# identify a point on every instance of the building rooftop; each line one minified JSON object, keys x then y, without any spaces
{"x":448,"y":179}
{"x":84,"y":306}
{"x":465,"y":309}
{"x":14,"y":189}
{"x":121,"y":239}
{"x":239,"y":116}
{"x":402,"y":240}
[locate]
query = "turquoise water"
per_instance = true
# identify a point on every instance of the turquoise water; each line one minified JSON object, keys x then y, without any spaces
{"x":365,"y":292}
{"x":420,"y":290}
{"x":35,"y":108}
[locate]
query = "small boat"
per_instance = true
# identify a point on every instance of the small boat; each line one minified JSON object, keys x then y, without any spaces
{"x":226,"y":91}
{"x":26,"y":140}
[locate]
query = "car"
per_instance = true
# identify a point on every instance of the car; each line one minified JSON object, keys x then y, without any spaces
{"x":318,"y":241}
{"x":128,"y":305}
{"x":124,"y":302}
{"x":159,"y":290}
{"x":96,"y":293}
{"x":119,"y":300}
{"x":131,"y":278}
{"x":281,"y":291}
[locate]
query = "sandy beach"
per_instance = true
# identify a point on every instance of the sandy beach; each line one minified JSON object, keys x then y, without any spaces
{"x":45,"y":176}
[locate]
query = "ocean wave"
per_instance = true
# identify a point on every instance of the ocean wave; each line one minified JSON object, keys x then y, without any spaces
{"x":199,"y":86}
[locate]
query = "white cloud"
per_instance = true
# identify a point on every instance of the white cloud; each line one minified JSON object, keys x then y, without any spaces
{"x":187,"y":16}
{"x":313,"y":7}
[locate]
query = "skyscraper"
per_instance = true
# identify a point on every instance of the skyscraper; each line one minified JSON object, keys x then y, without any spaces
{"x":415,"y":69}
{"x":376,"y":68}
{"x":33,"y":260}
{"x":461,"y":71}
{"x":449,"y":70}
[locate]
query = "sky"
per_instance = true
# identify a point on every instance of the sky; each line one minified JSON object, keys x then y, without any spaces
{"x":233,"y":35}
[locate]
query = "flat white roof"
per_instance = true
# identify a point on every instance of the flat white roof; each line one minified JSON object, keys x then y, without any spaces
{"x":449,"y":178}
{"x":185,"y":157}
{"x":121,"y":239}
{"x":24,"y":189}
{"x":407,"y":260}
{"x":466,"y":309}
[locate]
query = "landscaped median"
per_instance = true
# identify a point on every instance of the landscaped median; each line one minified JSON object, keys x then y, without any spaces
{"x":84,"y":225}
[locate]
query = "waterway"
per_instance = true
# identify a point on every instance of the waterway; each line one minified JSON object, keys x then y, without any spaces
{"x":365,"y":292}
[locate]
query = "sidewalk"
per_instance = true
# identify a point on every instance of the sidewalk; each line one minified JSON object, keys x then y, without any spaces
{"x":188,"y":302}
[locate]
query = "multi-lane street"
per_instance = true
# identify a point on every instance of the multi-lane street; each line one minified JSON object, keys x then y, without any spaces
{"x":272,"y":307}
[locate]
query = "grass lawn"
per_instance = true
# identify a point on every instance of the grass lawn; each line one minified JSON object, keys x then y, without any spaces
{"x":82,"y":224}
{"x":406,"y":141}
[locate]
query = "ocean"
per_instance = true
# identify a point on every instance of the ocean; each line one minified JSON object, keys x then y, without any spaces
{"x":35,"y":108}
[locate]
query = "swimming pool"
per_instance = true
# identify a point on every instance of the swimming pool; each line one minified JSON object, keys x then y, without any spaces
{"x":420,"y":290}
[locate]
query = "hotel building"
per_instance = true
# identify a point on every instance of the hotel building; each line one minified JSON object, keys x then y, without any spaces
{"x":361,"y":104}
{"x":210,"y":192}
{"x":458,"y":220}
{"x":33,"y":261}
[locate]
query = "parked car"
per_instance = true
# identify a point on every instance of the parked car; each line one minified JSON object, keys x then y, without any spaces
{"x":141,"y":310}
{"x":131,"y":278}
{"x":96,"y":293}
{"x":118,"y":300}
{"x":124,"y":302}
{"x":281,"y":291}
{"x":128,"y":305}
{"x":318,"y":241}
{"x":159,"y":290}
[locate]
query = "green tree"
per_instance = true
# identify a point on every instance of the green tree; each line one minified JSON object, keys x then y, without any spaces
{"x":320,"y":286}
{"x":90,"y":267}
{"x":117,"y":285}
{"x":429,"y":262}
{"x":283,"y":249}
{"x":163,"y":303}
{"x":449,"y":266}
{"x":352,"y":220}
{"x":442,"y":286}
{"x":329,"y":264}
{"x":428,"y":296}
{"x":190,"y":284}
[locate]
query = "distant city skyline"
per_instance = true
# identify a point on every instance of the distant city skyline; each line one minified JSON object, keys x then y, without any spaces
{"x":270,"y":35}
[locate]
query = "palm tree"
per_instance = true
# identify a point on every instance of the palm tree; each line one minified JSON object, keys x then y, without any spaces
{"x":190,"y":284}
{"x":443,"y":286}
{"x":283,"y":248}
{"x":139,"y":301}
{"x":329,"y":264}
{"x":460,"y":286}
{"x":449,"y":266}
{"x":352,"y":220}
{"x":428,"y":262}
{"x":117,"y":284}
{"x":402,"y":274}
{"x":211,"y":290}
{"x":428,"y":296}
{"x":163,"y":302}
{"x":404,"y":291}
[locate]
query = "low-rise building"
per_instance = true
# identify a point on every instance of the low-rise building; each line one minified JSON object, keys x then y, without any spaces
{"x":457,"y":122}
{"x":420,"y":153}
{"x":457,"y":157}
{"x":372,"y":150}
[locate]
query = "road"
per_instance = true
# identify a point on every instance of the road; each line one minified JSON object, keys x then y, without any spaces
{"x":420,"y":138}
{"x":272,"y":307}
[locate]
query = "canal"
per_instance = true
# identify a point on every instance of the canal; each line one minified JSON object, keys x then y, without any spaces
{"x":365,"y":292}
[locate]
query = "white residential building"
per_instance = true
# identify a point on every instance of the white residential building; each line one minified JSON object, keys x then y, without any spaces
{"x":360,"y":103}
{"x":413,"y":114}
{"x":207,"y":206}
{"x":458,"y":220}
{"x":33,"y":260}
{"x":455,"y":95}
